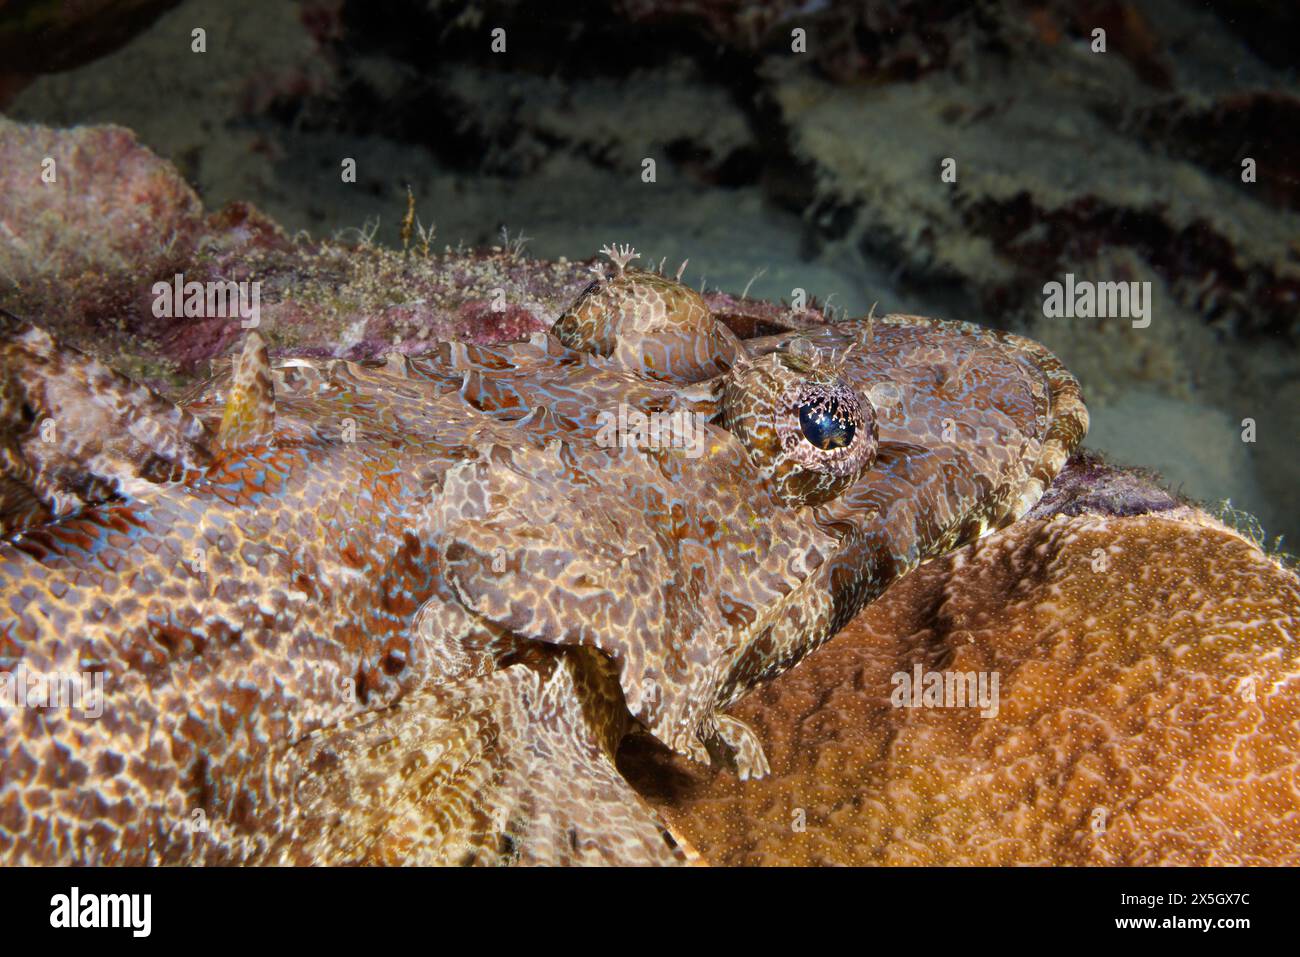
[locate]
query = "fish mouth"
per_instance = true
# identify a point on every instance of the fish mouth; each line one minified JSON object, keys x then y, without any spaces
{"x":974,"y":424}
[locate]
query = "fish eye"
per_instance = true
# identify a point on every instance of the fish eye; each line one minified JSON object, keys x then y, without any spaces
{"x":810,"y":433}
{"x":826,"y":424}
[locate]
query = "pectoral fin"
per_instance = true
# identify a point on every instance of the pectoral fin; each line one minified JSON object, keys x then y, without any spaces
{"x":514,"y":767}
{"x":544,"y":544}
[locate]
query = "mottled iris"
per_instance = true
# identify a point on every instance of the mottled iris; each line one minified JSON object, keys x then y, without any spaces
{"x":825,"y":425}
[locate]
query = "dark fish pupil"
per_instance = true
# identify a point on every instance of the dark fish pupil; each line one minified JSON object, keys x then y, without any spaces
{"x":823,"y":428}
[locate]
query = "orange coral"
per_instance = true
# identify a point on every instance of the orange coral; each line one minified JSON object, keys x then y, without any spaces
{"x":1146,"y":715}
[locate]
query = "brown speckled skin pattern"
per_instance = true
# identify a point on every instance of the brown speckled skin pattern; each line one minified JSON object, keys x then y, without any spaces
{"x":406,"y":612}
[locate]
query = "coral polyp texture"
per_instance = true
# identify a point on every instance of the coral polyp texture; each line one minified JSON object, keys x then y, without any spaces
{"x":1144,"y":712}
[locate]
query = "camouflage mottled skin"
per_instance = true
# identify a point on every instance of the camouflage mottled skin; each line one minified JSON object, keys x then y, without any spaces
{"x":404,"y":613}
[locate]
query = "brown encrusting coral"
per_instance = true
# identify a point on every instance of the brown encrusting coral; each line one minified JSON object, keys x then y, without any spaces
{"x":1143,"y":712}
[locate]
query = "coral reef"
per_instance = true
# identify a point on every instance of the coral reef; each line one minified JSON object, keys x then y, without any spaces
{"x":1145,"y":713}
{"x":1087,"y":483}
{"x":1145,"y":652}
{"x":82,"y":254}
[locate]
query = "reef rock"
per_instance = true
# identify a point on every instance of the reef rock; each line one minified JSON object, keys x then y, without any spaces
{"x":82,"y":254}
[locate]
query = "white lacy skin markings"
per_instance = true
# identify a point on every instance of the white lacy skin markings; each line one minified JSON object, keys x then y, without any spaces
{"x":343,"y":608}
